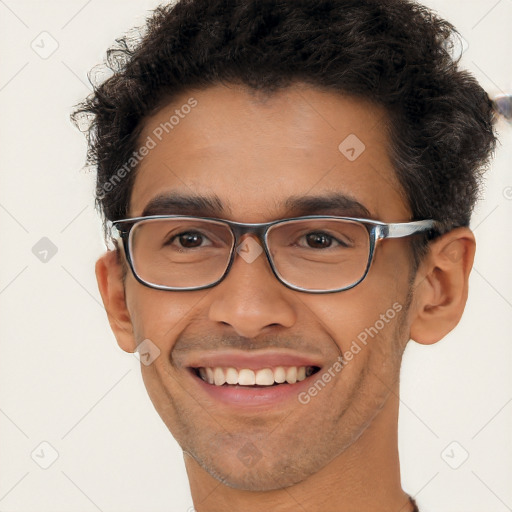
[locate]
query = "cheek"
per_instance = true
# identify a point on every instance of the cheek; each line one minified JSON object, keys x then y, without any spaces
{"x":365,"y":323}
{"x":358,"y":315}
{"x":161,"y":315}
{"x":367,"y":326}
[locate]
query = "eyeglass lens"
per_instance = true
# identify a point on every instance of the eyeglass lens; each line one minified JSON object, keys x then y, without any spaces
{"x":313,"y":254}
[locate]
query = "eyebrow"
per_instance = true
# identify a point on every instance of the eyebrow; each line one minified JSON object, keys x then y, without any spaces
{"x":295,"y":206}
{"x":170,"y":204}
{"x":334,"y":203}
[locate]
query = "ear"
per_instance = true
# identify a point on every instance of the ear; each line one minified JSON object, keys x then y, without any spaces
{"x":109,"y":274}
{"x":441,"y":285}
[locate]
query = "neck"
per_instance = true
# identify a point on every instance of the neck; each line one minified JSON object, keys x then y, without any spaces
{"x":366,"y":476}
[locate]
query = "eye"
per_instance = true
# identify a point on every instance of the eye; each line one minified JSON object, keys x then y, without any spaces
{"x":188,"y":239}
{"x":322,"y":240}
{"x":319,"y":240}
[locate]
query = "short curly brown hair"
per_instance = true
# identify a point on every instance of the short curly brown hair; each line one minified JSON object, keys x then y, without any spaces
{"x":395,"y":53}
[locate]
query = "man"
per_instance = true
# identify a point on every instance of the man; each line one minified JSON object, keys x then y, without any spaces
{"x":289,"y":186}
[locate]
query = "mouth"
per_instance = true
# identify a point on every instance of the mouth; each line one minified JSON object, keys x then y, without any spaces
{"x":251,"y":380}
{"x":254,"y":378}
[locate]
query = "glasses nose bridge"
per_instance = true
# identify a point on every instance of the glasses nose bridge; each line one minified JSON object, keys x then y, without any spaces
{"x":259,"y":230}
{"x":240,"y":229}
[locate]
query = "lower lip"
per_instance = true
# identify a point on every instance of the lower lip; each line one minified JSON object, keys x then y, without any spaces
{"x":245,"y":396}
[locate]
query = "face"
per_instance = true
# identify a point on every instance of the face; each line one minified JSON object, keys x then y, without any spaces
{"x":253,"y":157}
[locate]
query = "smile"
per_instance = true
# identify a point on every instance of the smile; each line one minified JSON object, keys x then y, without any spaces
{"x":230,"y":376}
{"x":251,"y":380}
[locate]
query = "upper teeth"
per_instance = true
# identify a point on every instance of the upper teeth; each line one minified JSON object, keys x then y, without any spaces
{"x":246,"y":377}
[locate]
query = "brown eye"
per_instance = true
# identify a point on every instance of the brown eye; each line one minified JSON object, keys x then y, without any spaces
{"x":187,"y":240}
{"x":319,"y":240}
{"x":191,"y":239}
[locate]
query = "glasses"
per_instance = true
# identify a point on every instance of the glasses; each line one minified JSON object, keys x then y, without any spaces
{"x":314,"y":254}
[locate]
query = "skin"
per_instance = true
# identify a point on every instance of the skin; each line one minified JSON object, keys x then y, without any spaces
{"x":339,"y":451}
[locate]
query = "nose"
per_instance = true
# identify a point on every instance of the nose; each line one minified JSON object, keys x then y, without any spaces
{"x":250,"y":299}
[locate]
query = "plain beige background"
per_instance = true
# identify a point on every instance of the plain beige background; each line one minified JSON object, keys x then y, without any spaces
{"x":65,"y":382}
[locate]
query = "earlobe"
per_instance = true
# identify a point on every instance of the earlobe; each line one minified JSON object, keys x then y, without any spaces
{"x":441,"y":286}
{"x":109,"y":275}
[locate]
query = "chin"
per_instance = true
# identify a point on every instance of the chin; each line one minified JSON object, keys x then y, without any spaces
{"x":259,"y":480}
{"x":262,"y":474}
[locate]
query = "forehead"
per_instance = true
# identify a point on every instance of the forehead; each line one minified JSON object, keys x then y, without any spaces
{"x":253,"y":156}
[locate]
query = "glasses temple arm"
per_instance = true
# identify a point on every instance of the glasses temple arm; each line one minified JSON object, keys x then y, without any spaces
{"x":403,"y":229}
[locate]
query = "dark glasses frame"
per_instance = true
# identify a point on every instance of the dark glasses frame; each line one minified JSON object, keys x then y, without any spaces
{"x":377,"y":231}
